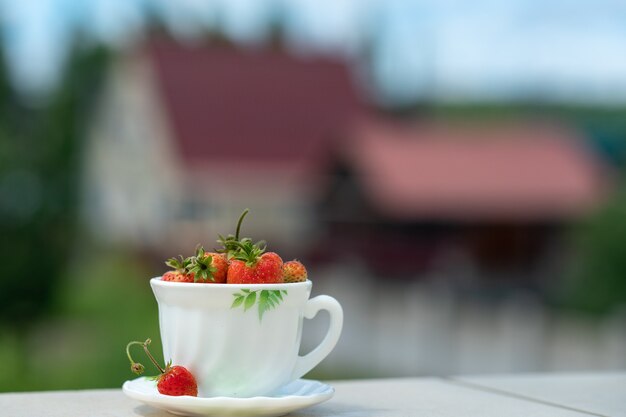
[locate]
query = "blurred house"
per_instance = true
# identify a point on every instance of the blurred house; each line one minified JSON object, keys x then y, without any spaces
{"x":189,"y":136}
{"x":465,"y":200}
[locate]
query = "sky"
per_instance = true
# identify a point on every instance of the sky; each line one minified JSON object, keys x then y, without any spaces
{"x":407,"y":50}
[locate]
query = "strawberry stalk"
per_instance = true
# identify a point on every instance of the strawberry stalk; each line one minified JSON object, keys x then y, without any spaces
{"x":230,"y":244}
{"x":241,"y":249}
{"x":136,"y":367}
{"x":243,"y":215}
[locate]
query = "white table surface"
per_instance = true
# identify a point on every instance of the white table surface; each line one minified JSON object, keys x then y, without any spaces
{"x":599,"y":394}
{"x":538,"y":395}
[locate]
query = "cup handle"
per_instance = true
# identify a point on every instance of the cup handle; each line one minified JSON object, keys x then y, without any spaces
{"x":322,"y":302}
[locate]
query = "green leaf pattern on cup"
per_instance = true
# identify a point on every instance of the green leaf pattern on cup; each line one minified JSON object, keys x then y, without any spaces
{"x":264,"y":299}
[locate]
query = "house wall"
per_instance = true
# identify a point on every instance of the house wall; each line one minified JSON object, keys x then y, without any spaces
{"x":138,"y":189}
{"x":131,"y":176}
{"x":280,"y":208}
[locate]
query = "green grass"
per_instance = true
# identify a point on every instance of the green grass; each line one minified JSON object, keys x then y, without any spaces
{"x":104,"y":302}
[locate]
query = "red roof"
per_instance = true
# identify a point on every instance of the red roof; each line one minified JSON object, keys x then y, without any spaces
{"x":469,"y":172}
{"x":264,"y":107}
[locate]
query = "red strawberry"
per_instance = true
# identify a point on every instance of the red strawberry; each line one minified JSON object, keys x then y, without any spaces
{"x":248,"y":263}
{"x":177,"y":380}
{"x":173,"y":380}
{"x":220,"y":264}
{"x":251,"y":266}
{"x":208,"y":267}
{"x":204,"y":267}
{"x":294,"y":271}
{"x":181,"y":271}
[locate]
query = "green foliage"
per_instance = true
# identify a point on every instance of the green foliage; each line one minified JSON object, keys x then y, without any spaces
{"x":598,"y":279}
{"x":40,"y":151}
{"x":102,"y":302}
{"x":40,"y":157}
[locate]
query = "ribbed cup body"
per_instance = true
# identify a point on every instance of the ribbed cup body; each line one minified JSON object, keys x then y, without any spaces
{"x":232,"y":351}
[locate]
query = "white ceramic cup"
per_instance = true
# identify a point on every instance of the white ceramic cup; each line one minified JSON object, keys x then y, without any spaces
{"x":241,"y":340}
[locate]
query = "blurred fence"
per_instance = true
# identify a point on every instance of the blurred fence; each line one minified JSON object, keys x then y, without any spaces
{"x":420,"y":329}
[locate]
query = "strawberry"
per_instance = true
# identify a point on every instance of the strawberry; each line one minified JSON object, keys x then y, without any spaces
{"x":248,"y":262}
{"x":173,"y":380}
{"x":203,"y":267}
{"x":181,"y":272}
{"x":208,"y":266}
{"x":220,"y":264}
{"x":294,"y":271}
{"x":251,"y":266}
{"x":177,"y":380}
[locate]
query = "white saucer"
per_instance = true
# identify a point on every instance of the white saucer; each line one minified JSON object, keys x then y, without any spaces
{"x":293,"y":396}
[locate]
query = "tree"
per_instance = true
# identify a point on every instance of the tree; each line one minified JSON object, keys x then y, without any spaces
{"x":40,"y":151}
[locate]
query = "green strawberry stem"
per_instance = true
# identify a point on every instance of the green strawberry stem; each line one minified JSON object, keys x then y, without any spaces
{"x":243,"y":249}
{"x":137,"y":366}
{"x":230,"y":243}
{"x":243,"y":215}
